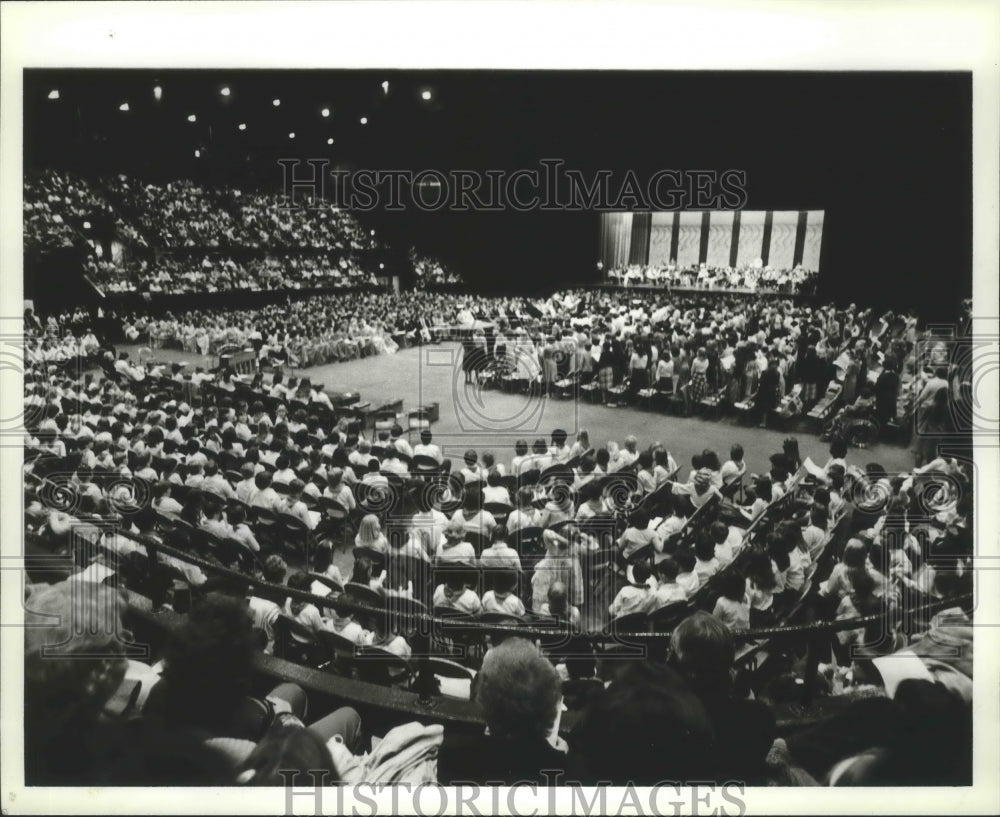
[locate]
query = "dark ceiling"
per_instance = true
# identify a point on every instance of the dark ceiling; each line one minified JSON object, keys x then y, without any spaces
{"x":886,"y":155}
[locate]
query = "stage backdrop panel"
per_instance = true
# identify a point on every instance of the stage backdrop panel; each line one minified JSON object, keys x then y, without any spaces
{"x":689,"y":239}
{"x":751,"y":243}
{"x":616,"y":239}
{"x":720,"y":238}
{"x":813,"y":240}
{"x":661,"y":239}
{"x":783,"y":228}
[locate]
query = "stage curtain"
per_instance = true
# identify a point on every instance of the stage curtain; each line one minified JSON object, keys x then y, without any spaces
{"x":689,"y":239}
{"x":616,"y":238}
{"x":751,"y":243}
{"x":813,"y":241}
{"x":661,"y":238}
{"x":720,"y":238}
{"x":639,"y":249}
{"x":783,"y":230}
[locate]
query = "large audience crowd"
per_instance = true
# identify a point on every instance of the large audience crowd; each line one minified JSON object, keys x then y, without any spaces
{"x":178,"y":275}
{"x":319,"y":521}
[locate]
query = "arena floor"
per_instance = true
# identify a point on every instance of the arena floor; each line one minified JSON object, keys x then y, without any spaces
{"x":492,"y":420}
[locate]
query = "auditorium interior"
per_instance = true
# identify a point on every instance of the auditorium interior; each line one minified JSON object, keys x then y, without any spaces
{"x":443,"y":494}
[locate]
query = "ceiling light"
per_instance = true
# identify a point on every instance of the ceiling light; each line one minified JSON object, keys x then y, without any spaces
{"x":325,"y":112}
{"x":123,"y":107}
{"x":291,"y":135}
{"x":86,"y":225}
{"x":197,"y":154}
{"x":381,"y":266}
{"x":373,"y":232}
{"x":53,"y":94}
{"x":385,"y":87}
{"x":426,"y":95}
{"x":192,"y":118}
{"x":157,"y":93}
{"x":276,"y":102}
{"x":364,"y":120}
{"x":225,"y":91}
{"x":329,"y":141}
{"x":243,"y":126}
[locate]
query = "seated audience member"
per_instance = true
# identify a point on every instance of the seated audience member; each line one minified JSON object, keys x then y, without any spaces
{"x":519,"y":694}
{"x":734,"y":468}
{"x":205,"y":689}
{"x":370,"y":535}
{"x":455,"y":547}
{"x":687,"y":578}
{"x":636,"y":596}
{"x":702,"y":650}
{"x":638,"y":535}
{"x":427,"y":448}
{"x":457,"y":595}
{"x":557,"y":605}
{"x":631,"y":731}
{"x":728,"y":542}
{"x":494,"y":490}
{"x":733,"y":605}
{"x":502,"y":598}
{"x":667,"y":591}
{"x":706,"y":565}
{"x":266,"y":497}
{"x":499,"y":553}
{"x":65,"y":693}
{"x":525,"y":515}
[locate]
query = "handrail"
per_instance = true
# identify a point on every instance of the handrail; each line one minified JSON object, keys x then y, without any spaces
{"x":531,"y":633}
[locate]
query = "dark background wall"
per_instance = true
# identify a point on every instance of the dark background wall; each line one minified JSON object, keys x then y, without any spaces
{"x":887,"y":156}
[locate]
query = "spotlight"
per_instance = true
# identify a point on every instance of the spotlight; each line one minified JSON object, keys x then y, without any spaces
{"x":325,"y":112}
{"x":53,"y":94}
{"x":426,"y":95}
{"x":385,"y":87}
{"x":225,"y":91}
{"x":329,"y":141}
{"x":276,"y":102}
{"x":291,"y":135}
{"x":123,"y":107}
{"x":192,"y":118}
{"x":157,"y":93}
{"x":197,"y":154}
{"x":364,"y":120}
{"x":242,"y":126}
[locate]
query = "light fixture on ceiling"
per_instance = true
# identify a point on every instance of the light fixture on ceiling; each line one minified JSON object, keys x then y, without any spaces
{"x":242,"y":126}
{"x":426,"y":96}
{"x":124,"y":107}
{"x":54,"y":94}
{"x":325,"y":112}
{"x":329,"y":141}
{"x":157,"y":93}
{"x":276,"y":102}
{"x":364,"y":120}
{"x":225,"y":91}
{"x":192,"y":118}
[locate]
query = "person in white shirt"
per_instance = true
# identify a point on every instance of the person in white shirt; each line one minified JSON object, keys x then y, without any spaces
{"x":687,"y":579}
{"x":624,"y":457}
{"x":524,"y":515}
{"x":397,"y":439}
{"x":241,"y":531}
{"x":706,"y":565}
{"x":294,"y":506}
{"x":494,"y":490}
{"x":499,"y":554}
{"x":728,"y":542}
{"x":456,"y":595}
{"x":455,"y":548}
{"x":246,"y":487}
{"x":392,"y":464}
{"x":667,"y":590}
{"x":501,"y":599}
{"x":427,"y":448}
{"x":734,"y":468}
{"x":636,"y":596}
{"x":265,"y":497}
{"x":338,"y":491}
